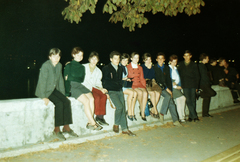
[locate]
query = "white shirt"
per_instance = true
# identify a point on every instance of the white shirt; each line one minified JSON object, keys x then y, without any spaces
{"x":175,"y":76}
{"x":92,"y":79}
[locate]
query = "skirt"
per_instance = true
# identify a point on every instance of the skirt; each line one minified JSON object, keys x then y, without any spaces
{"x":77,"y":89}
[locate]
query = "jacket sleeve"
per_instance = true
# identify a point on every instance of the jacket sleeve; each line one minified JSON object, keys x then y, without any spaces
{"x":197,"y":75}
{"x":42,"y":82}
{"x":67,"y":82}
{"x":61,"y":82}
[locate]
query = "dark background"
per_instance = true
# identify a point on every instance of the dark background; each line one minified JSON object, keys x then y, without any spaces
{"x":29,"y":28}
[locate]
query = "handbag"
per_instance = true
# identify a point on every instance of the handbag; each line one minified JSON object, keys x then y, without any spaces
{"x":126,"y":84}
{"x":162,"y":86}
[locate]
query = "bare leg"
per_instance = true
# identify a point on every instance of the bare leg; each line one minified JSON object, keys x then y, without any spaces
{"x":142,"y":99}
{"x":129,"y":92}
{"x":134,"y":101}
{"x":87,"y":109}
{"x":158,"y":94}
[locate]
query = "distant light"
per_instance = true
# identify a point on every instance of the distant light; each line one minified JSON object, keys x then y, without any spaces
{"x":233,"y":60}
{"x":229,"y":60}
{"x":28,"y":67}
{"x":101,"y":64}
{"x":195,"y":61}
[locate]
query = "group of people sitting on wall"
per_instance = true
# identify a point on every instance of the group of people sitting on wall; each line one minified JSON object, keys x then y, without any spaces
{"x":91,"y":86}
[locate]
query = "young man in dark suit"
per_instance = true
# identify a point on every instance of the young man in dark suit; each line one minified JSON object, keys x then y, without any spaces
{"x":112,"y":81}
{"x":205,"y":85}
{"x":162,"y":77}
{"x":189,"y":75}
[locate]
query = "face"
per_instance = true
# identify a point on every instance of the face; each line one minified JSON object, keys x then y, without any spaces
{"x":115,"y":60}
{"x":135,"y":59}
{"x":78,"y":57}
{"x":214,"y":63}
{"x":222,"y":63}
{"x":173,"y":62}
{"x":148,"y":60}
{"x":187,"y":57}
{"x":206,"y":60}
{"x":93,"y":60}
{"x":124,"y":62}
{"x":55,"y":59}
{"x":160,"y":59}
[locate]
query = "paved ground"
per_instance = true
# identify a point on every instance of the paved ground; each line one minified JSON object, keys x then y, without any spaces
{"x":192,"y":143}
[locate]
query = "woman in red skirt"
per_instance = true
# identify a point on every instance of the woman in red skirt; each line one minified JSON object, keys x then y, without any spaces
{"x":139,"y":83}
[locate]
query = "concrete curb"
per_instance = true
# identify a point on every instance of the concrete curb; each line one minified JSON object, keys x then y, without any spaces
{"x":89,"y":137}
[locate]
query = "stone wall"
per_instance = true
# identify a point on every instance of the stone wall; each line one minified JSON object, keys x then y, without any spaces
{"x":29,"y":121}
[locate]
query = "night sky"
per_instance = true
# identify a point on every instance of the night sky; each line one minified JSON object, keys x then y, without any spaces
{"x":31,"y":27}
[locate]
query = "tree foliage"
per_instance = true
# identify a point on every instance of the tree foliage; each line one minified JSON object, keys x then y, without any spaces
{"x":131,"y":12}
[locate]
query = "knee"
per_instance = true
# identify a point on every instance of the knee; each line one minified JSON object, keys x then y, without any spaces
{"x":134,"y":94}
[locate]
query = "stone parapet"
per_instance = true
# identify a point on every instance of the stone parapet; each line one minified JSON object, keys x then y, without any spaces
{"x":29,"y":121}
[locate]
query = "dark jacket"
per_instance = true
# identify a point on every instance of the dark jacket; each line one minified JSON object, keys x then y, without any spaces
{"x":216,"y":73}
{"x":189,"y":75}
{"x":163,"y":77}
{"x":50,"y":77}
{"x":112,"y":79}
{"x":204,"y":78}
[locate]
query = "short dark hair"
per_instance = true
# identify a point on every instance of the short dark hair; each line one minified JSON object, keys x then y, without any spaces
{"x":212,"y":60}
{"x":114,"y":53}
{"x":145,"y":56}
{"x":54,"y":51}
{"x":160,"y":54}
{"x":93,"y":54}
{"x":125,"y":56}
{"x":133,"y":54}
{"x":188,"y":51}
{"x":203,"y":56}
{"x":173,"y":57}
{"x":221,"y":59}
{"x":76,"y":50}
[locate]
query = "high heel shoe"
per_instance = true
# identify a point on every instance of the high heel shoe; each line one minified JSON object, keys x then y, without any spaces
{"x":130,"y":117}
{"x":143,"y":118}
{"x":134,"y":117}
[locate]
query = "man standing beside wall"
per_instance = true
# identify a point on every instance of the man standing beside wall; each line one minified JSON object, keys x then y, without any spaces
{"x":189,"y":75}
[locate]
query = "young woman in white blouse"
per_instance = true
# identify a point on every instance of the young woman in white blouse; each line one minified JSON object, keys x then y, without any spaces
{"x":93,"y":82}
{"x":176,"y":83}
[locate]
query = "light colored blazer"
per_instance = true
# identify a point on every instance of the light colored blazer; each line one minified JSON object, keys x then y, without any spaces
{"x":48,"y":80}
{"x":92,"y":79}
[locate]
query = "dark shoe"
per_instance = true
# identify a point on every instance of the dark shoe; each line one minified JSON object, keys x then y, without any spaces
{"x":101,"y":121}
{"x":196,"y":120}
{"x":189,"y":120}
{"x":71,"y":132}
{"x":236,"y":101}
{"x":134,"y":117}
{"x":208,"y":115}
{"x":130,"y":117}
{"x":128,"y":132}
{"x":93,"y":127}
{"x":143,"y":118}
{"x":116,"y":128}
{"x":58,"y":135}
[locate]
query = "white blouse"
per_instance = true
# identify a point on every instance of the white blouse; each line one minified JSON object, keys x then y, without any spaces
{"x":175,"y":76}
{"x":92,"y":79}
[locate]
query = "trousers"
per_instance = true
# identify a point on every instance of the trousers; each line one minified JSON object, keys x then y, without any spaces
{"x":99,"y":102}
{"x":168,"y":103}
{"x":120,"y":114}
{"x":63,"y":111}
{"x":206,"y":93}
{"x":190,"y":94}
